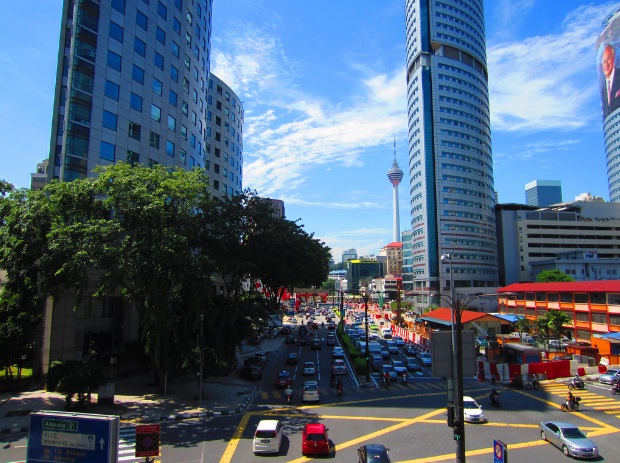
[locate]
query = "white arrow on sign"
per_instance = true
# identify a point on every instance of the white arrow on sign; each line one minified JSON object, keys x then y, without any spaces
{"x":102,"y":443}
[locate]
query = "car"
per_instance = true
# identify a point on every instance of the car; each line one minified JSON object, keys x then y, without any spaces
{"x":410,"y":350}
{"x":314,"y":439}
{"x":392,"y":347}
{"x":385,"y":354}
{"x":557,"y":344}
{"x":331,"y":340}
{"x":268,"y":437}
{"x":376,"y":362}
{"x":398,"y":340}
{"x":610,"y":376}
{"x":412,"y":364}
{"x":425,"y":358}
{"x":568,"y":438}
{"x":316,"y":344}
{"x":303,"y":340}
{"x":373,"y":453}
{"x":400,"y":367}
{"x":283,"y":379}
{"x":309,"y":369}
{"x":472,"y":412}
{"x":310,"y":392}
{"x":338,"y":353}
{"x":290,"y":339}
{"x":251,"y":372}
{"x":255,"y":359}
{"x":331,"y":327}
{"x":339,"y":367}
{"x":284,"y":331}
{"x":293,"y":321}
{"x":292,"y":358}
{"x":389,"y":369}
{"x":372,"y":336}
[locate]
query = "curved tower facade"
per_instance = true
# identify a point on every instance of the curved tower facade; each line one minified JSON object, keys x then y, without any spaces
{"x":131,"y":85}
{"x":451,"y":169}
{"x":224,"y":139}
{"x":608,"y":59}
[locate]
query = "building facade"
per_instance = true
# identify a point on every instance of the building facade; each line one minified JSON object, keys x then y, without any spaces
{"x":131,"y":85}
{"x":393,"y":253}
{"x":450,"y":163}
{"x":543,"y":193}
{"x":531,"y":234}
{"x":349,"y":254}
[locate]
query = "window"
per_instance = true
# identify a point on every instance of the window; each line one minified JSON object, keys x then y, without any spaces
{"x":184,"y":108}
{"x":155,"y":113}
{"x":188,"y":16}
{"x":195,"y":73}
{"x":599,"y":318}
{"x":177,"y":3}
{"x":139,"y":47}
{"x":192,"y":140}
{"x":134,"y":130}
{"x":160,"y":36}
{"x":109,"y":120}
{"x":154,"y":140}
{"x":135,"y":102}
{"x":172,"y":98}
{"x":182,"y":156}
{"x":119,"y":5}
{"x":106,"y":151}
{"x":175,"y":49}
{"x":172,"y":123}
{"x":133,"y":158}
{"x":216,"y":168}
{"x":159,"y":61}
{"x":218,"y":120}
{"x":111,"y":90}
{"x":141,"y":20}
{"x":176,"y":25}
{"x":195,"y":95}
{"x":185,"y":85}
{"x":183,"y":132}
{"x":162,"y":11}
{"x":174,"y":73}
{"x":157,"y":86}
{"x":193,"y":118}
{"x":116,"y":32}
{"x":114,"y":60}
{"x":187,"y":62}
{"x":170,"y":148}
{"x":138,"y":74}
{"x":188,"y":39}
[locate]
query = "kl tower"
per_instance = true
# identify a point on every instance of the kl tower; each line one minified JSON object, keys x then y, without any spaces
{"x":395,"y":175}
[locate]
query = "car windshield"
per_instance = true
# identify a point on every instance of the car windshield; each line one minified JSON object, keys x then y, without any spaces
{"x":470,"y":404}
{"x":573,"y":433}
{"x":398,"y":364}
{"x":377,"y":455}
{"x":612,"y":372}
{"x":310,"y":387}
{"x":388,"y":368}
{"x":283,"y":375}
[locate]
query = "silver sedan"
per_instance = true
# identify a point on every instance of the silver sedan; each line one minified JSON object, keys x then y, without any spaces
{"x":568,"y":438}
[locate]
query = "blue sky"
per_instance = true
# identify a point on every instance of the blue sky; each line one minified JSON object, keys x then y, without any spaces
{"x":323,"y":86}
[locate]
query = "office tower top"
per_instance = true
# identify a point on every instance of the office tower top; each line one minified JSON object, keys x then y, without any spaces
{"x":395,"y":175}
{"x":607,"y":59}
{"x":543,"y":193}
{"x":131,"y":85}
{"x":450,"y":163}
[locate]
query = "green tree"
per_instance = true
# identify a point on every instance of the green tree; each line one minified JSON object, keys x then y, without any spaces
{"x":523,"y":325}
{"x":548,"y":276}
{"x":554,"y":321}
{"x":77,"y":378}
{"x":328,"y":284}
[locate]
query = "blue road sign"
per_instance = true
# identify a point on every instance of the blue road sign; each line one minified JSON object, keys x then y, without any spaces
{"x":500,"y":452}
{"x":72,"y":437}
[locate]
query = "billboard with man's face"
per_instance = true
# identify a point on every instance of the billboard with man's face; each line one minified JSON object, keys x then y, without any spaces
{"x":607,"y":57}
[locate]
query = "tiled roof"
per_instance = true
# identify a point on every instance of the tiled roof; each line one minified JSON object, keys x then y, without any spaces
{"x":601,"y":286}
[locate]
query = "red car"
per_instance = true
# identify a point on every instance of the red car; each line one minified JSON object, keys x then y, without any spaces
{"x":314,"y":439}
{"x":283,"y":380}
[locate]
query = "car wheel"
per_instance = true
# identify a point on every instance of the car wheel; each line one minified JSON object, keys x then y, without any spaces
{"x":565,"y":450}
{"x":543,"y":436}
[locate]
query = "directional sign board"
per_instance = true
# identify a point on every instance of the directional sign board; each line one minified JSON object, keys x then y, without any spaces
{"x":72,"y":438}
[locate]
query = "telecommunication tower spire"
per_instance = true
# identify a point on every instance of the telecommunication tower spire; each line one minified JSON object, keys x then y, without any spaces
{"x":395,"y":175}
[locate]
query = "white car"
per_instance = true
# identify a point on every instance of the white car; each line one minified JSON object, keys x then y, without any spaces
{"x":398,"y":340}
{"x":310,"y":392}
{"x":309,"y":368}
{"x":373,"y":336}
{"x":268,"y":437}
{"x":338,"y":353}
{"x":339,"y":367}
{"x":472,"y":411}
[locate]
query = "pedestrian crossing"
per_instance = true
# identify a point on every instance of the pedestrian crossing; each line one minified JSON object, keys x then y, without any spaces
{"x":127,"y":445}
{"x":590,"y":400}
{"x":327,"y":392}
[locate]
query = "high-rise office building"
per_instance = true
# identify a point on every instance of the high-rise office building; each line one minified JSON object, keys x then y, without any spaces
{"x":451,"y":168}
{"x":131,"y":85}
{"x":607,"y":58}
{"x":543,"y":193}
{"x":349,"y":254}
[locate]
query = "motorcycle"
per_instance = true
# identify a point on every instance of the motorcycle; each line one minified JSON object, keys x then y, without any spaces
{"x":493,"y":379}
{"x":615,"y":387}
{"x":566,"y":407}
{"x":494,"y":398}
{"x":289,"y":398}
{"x":576,"y":384}
{"x":339,"y":389}
{"x":516,"y":382}
{"x":533,"y":383}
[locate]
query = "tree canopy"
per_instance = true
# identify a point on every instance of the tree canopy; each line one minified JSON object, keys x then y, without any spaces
{"x":549,"y":276}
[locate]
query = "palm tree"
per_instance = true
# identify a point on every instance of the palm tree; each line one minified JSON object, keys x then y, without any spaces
{"x":554,"y":321}
{"x":522,"y":324}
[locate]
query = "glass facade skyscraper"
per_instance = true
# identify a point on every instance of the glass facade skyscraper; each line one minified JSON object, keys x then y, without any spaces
{"x":450,"y":163}
{"x":131,"y":85}
{"x":543,"y":193}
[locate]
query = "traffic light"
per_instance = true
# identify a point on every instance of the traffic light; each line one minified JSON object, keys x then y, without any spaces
{"x":450,"y":416}
{"x":458,"y":429}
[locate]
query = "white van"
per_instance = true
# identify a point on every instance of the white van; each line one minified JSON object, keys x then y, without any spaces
{"x":268,"y":437}
{"x":386,"y":333}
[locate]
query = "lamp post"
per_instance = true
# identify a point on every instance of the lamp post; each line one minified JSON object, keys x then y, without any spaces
{"x":201,"y":344}
{"x":341,"y":323}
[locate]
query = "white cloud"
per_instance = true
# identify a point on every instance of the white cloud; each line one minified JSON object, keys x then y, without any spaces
{"x":549,"y":81}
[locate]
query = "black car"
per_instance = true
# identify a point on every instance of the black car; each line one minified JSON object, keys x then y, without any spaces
{"x":292,"y":358}
{"x":252,"y":372}
{"x":410,"y":350}
{"x":290,"y":339}
{"x":373,"y":453}
{"x":303,"y":341}
{"x":316,"y":344}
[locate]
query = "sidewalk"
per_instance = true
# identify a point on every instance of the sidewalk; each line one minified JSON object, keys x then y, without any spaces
{"x":137,"y":398}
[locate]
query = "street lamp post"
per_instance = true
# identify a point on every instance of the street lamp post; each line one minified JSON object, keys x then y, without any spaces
{"x":341,"y":323}
{"x":201,"y":345}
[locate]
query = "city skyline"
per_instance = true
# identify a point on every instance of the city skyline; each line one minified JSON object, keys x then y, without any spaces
{"x":326,"y":94}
